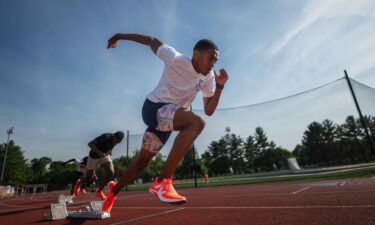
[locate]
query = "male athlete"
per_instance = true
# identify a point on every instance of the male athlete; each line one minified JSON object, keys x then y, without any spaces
{"x":80,"y":171}
{"x":166,"y":109}
{"x":100,"y":155}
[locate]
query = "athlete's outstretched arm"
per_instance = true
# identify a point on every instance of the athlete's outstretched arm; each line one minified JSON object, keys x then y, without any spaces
{"x":154,"y":43}
{"x":70,"y":160}
{"x":210,"y":103}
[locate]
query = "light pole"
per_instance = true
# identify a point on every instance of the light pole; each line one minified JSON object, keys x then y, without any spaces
{"x":9,"y":132}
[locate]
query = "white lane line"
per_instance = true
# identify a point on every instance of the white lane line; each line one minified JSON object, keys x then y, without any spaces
{"x":255,"y":195}
{"x":148,"y":216}
{"x":300,"y":190}
{"x":253,"y":207}
{"x":343,"y":183}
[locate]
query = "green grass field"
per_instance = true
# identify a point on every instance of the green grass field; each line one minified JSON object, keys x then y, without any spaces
{"x":270,"y":177}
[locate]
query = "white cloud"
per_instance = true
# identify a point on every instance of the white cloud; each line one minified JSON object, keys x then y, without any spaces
{"x":76,"y":90}
{"x":315,"y":10}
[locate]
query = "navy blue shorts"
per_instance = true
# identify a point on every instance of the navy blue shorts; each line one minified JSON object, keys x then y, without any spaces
{"x":153,"y":116}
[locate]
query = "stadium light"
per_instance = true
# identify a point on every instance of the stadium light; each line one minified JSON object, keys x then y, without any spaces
{"x":9,"y":132}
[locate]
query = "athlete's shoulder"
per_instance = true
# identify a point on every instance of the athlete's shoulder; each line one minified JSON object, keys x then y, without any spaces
{"x":167,"y":53}
{"x":183,"y":58}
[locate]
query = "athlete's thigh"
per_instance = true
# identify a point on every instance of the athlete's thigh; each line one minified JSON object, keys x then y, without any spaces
{"x":89,"y":173}
{"x":92,"y":163}
{"x":146,"y":154}
{"x":107,"y":165}
{"x":183,"y":118}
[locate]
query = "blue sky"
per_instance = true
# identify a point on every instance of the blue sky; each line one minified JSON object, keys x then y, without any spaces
{"x":60,"y":87}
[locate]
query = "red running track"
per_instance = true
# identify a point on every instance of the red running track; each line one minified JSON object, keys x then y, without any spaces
{"x":346,"y":202}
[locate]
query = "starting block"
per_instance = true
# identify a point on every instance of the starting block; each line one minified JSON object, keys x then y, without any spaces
{"x":94,"y":211}
{"x":58,"y":212}
{"x":67,"y":199}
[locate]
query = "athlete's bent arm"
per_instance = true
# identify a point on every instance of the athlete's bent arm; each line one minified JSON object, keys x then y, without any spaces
{"x":70,"y":160}
{"x":92,"y":145}
{"x":210,"y":103}
{"x":154,"y":43}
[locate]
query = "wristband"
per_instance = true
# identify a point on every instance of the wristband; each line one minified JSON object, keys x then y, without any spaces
{"x":219,"y":86}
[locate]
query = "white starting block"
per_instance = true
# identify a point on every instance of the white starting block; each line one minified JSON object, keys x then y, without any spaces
{"x":58,"y":212}
{"x":94,"y":211}
{"x":67,"y":199}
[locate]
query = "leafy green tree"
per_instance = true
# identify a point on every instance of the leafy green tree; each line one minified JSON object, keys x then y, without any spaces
{"x":251,"y":152}
{"x":216,"y":158}
{"x":58,"y":176}
{"x":235,"y":151}
{"x":220,"y":165}
{"x":273,"y":158}
{"x":207,"y":161}
{"x":186,"y":168}
{"x":329,"y":143}
{"x":313,"y":143}
{"x":264,"y":155}
{"x":261,"y":145}
{"x":16,"y":170}
{"x":261,"y":140}
{"x":154,"y":168}
{"x":39,"y":167}
{"x":370,"y":124}
{"x":351,"y":143}
{"x":120,"y":164}
{"x":253,"y":155}
{"x":300,"y":153}
{"x":280,"y":157}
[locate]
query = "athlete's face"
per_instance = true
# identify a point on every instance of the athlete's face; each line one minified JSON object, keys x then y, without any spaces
{"x":205,"y":60}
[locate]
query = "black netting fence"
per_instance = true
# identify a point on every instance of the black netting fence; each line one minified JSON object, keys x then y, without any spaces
{"x":284,"y":122}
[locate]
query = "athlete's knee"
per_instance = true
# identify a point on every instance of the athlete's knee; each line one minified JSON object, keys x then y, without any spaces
{"x":198,"y":123}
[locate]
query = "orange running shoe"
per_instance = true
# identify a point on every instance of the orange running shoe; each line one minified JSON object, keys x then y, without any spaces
{"x":108,"y":203}
{"x":77,"y":187}
{"x":166,"y":192}
{"x":155,"y":186}
{"x":83,"y":190}
{"x":100,"y":194}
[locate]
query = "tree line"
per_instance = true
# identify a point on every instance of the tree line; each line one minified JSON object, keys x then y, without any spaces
{"x":326,"y":143}
{"x":323,"y":144}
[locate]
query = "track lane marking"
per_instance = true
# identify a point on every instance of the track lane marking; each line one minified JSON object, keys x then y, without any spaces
{"x":252,"y":207}
{"x":300,"y":190}
{"x":148,"y":216}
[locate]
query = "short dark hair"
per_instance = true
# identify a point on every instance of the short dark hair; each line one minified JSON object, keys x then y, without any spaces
{"x":205,"y":44}
{"x":119,"y":135}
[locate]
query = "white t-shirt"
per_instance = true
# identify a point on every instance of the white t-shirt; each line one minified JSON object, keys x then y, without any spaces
{"x":180,"y":82}
{"x":77,"y":162}
{"x":79,"y":167}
